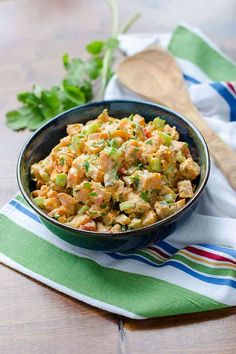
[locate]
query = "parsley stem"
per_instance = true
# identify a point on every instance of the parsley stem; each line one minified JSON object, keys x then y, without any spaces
{"x":115,"y":17}
{"x":130,"y":22}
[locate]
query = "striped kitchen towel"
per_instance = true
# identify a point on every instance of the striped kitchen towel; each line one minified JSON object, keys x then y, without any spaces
{"x":194,"y":269}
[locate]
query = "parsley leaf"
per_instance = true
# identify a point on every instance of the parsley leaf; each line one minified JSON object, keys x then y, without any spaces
{"x":95,"y":47}
{"x":78,"y":85}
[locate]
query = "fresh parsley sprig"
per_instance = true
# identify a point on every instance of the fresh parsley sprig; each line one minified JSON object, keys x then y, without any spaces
{"x":78,"y":85}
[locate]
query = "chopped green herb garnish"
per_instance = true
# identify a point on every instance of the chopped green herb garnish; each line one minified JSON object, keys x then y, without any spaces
{"x":103,"y":206}
{"x":140,"y":166}
{"x":87,"y":185}
{"x":149,"y":142}
{"x":86,"y":166}
{"x":78,"y":85}
{"x":135,"y":180}
{"x":145,"y":195}
{"x":93,"y":194}
{"x":62,"y":161}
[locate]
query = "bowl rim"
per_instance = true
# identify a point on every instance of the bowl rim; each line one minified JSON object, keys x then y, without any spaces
{"x":163,"y":222}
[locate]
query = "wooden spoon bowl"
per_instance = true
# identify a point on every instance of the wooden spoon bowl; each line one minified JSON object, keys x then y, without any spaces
{"x":154,"y":74}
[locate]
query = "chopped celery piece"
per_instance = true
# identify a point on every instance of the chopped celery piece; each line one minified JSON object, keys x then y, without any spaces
{"x":86,"y":166}
{"x":40,"y":201}
{"x":135,"y":223}
{"x":56,"y":216}
{"x":127,"y":205}
{"x":113,"y":153}
{"x":169,"y":198}
{"x":159,"y":123}
{"x":166,"y":137}
{"x":44,"y":175}
{"x":83,"y":210}
{"x":75,"y":142}
{"x":155,"y":164}
{"x":180,"y":157}
{"x":61,"y":179}
{"x":91,"y":128}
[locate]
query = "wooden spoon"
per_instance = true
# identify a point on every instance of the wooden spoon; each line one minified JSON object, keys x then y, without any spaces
{"x":154,"y":74}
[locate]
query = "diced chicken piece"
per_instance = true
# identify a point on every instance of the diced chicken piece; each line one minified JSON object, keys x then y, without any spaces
{"x":95,"y":173}
{"x":95,"y":211}
{"x":116,"y":228}
{"x":68,"y":202}
{"x":76,"y":172}
{"x":149,"y":218}
{"x":178,"y":146}
{"x":185,"y":189}
{"x":52,"y":203}
{"x":64,"y":142}
{"x":120,"y":134}
{"x":138,"y":119}
{"x":140,"y":206}
{"x":94,"y":136}
{"x":150,"y":146}
{"x":82,"y":191}
{"x":172,"y":131}
{"x":163,"y":209}
{"x":110,"y":218}
{"x":165,"y":190}
{"x":106,"y":162}
{"x":123,"y":219}
{"x":66,"y":199}
{"x":102,"y":228}
{"x":104,"y":116}
{"x":93,"y":147}
{"x":174,"y":207}
{"x":74,"y":129}
{"x":150,"y":180}
{"x":132,"y":152}
{"x":101,"y":191}
{"x":164,"y":153}
{"x":89,"y":226}
{"x":189,"y":169}
{"x":125,"y":124}
{"x":79,"y":220}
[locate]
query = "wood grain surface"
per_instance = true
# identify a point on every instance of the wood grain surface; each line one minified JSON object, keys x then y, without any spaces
{"x":34,"y":318}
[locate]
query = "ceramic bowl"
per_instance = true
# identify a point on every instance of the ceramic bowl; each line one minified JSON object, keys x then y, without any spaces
{"x":45,"y":138}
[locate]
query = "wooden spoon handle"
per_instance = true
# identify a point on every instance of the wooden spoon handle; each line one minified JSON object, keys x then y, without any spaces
{"x":222,"y":154}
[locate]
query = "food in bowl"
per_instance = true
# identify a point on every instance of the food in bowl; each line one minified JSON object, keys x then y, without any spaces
{"x":113,"y":175}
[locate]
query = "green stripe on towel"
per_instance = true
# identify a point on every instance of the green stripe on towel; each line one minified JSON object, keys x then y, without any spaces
{"x":141,"y":295}
{"x":188,"y":45}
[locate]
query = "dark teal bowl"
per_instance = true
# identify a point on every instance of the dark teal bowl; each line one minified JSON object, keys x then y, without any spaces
{"x":46,"y":137}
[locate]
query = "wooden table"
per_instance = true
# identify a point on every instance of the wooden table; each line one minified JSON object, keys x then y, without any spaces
{"x":33,"y":318}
